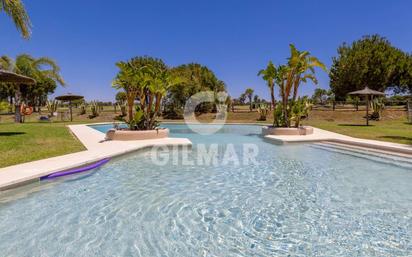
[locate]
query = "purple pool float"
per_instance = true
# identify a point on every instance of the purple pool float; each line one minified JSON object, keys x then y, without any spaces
{"x":76,"y":170}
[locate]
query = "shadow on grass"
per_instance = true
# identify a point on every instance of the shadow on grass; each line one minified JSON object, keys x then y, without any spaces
{"x":8,"y":134}
{"x":407,"y":139}
{"x":355,"y":125}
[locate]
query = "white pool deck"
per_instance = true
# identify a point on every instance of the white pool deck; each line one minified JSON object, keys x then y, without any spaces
{"x":320,"y":135}
{"x":97,"y":149}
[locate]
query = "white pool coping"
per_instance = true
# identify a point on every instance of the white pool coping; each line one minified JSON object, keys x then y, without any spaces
{"x":320,"y":135}
{"x":97,"y":149}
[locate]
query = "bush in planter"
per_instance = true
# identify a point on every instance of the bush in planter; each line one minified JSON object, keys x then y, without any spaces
{"x":300,"y":109}
{"x":278,"y":118}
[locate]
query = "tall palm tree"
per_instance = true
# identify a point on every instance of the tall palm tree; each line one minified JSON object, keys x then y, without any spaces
{"x":304,"y":66}
{"x":17,"y":12}
{"x":129,"y":79}
{"x":269,"y":75}
{"x":300,"y":68}
{"x":147,"y":79}
{"x":249,"y":95}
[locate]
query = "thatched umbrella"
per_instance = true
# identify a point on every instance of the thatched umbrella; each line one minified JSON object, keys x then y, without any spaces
{"x":11,"y":77}
{"x":69,"y":98}
{"x":367,"y":92}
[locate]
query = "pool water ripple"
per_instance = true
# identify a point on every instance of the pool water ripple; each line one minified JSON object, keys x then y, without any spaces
{"x":298,"y":201}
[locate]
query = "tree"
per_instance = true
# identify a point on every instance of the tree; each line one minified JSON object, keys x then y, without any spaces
{"x":44,"y":70}
{"x":319,"y":95}
{"x":249,"y":94}
{"x":256,"y":99}
{"x":300,"y":68}
{"x":121,"y":97}
{"x":193,"y":78}
{"x":269,"y":75}
{"x":17,"y":12}
{"x":242,"y":98}
{"x":373,"y":62}
{"x":148,"y":80}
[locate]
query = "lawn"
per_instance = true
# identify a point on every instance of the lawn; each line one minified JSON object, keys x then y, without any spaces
{"x":34,"y":141}
{"x":394,"y":130}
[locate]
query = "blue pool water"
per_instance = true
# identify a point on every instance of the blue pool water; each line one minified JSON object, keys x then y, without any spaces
{"x":297,"y":200}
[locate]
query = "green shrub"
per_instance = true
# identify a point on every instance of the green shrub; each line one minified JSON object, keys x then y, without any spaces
{"x":263,"y":111}
{"x":52,"y":107}
{"x":94,"y":109}
{"x":83,"y":107}
{"x":377,"y":106}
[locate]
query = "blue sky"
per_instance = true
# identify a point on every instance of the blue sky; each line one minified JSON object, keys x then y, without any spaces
{"x":233,"y":38}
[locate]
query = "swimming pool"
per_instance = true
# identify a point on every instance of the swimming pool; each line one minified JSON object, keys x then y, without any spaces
{"x":297,"y":200}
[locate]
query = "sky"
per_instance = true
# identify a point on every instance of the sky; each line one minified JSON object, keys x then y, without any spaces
{"x":235,"y":39}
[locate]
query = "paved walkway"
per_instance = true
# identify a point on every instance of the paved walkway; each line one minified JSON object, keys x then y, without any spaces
{"x":97,"y":149}
{"x":320,"y":135}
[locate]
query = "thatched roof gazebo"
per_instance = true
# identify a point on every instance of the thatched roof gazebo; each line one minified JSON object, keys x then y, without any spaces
{"x":69,"y":98}
{"x":367,"y":92}
{"x":17,"y":79}
{"x":11,"y":77}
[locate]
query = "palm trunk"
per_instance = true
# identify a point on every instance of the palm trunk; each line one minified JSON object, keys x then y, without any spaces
{"x":17,"y":99}
{"x":295,"y":88}
{"x":130,"y":110}
{"x":11,"y":104}
{"x":272,"y":96}
{"x":130,"y":102}
{"x":156,"y":111}
{"x":250,"y":103}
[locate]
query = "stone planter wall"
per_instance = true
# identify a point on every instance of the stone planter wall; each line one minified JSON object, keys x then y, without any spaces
{"x":127,"y":135}
{"x":301,"y":131}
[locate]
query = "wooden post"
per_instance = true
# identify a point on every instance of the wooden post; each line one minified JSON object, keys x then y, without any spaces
{"x":17,"y":103}
{"x":70,"y":108}
{"x":367,"y":110}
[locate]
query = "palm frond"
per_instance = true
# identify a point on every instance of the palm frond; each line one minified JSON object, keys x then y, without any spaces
{"x":17,"y":12}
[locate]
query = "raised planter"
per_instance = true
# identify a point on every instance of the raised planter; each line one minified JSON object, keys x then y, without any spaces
{"x":126,"y":135}
{"x":278,"y":131}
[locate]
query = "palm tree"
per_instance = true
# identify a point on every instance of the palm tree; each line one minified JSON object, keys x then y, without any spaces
{"x":249,"y":95}
{"x":269,"y":75}
{"x":129,"y":79}
{"x":44,"y":70}
{"x":301,"y":62}
{"x":15,"y":9}
{"x":147,"y":79}
{"x":300,"y":68}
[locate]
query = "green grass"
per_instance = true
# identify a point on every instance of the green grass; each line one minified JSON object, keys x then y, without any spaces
{"x":26,"y":142}
{"x":397,"y":131}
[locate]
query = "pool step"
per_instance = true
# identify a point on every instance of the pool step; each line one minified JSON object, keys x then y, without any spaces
{"x":401,"y":160}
